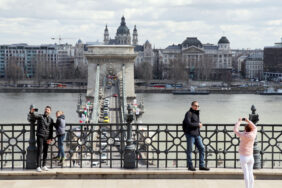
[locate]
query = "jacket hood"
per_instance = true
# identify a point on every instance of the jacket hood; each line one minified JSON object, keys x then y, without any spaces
{"x":62,"y":116}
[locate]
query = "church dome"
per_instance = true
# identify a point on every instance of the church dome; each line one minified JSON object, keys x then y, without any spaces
{"x":192,"y":41}
{"x":223,"y":40}
{"x":122,"y":30}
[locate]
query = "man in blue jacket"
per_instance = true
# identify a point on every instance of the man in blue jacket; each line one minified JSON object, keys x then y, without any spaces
{"x":191,"y":128}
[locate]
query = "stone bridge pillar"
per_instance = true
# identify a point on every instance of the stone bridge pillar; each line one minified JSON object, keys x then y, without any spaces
{"x":111,"y":58}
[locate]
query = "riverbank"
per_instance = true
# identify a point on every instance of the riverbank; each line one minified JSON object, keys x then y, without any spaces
{"x":137,"y":90}
{"x":43,"y":90}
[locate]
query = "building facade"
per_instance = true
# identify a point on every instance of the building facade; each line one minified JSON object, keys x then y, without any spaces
{"x":145,"y":53}
{"x":79,"y":58}
{"x":32,"y":60}
{"x":254,"y":66}
{"x":273,"y":61}
{"x":202,"y":61}
{"x":25,"y":57}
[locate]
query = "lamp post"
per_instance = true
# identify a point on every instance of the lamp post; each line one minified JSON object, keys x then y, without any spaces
{"x":256,"y":152}
{"x":129,"y":153}
{"x":31,"y":150}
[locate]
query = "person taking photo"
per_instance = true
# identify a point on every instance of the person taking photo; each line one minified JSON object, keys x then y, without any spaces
{"x":247,"y":139}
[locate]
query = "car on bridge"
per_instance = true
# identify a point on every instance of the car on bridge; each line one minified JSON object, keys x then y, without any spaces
{"x":106,"y":120}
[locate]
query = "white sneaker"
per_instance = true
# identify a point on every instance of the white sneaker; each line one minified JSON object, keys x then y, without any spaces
{"x":45,"y":168}
{"x":38,"y":169}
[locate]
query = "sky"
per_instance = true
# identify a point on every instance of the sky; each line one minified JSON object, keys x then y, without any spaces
{"x":246,"y":23}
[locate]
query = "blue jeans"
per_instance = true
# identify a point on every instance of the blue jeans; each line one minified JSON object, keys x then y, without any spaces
{"x":197,"y":140}
{"x":61,"y":152}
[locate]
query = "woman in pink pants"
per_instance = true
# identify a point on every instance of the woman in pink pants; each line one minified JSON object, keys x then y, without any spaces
{"x":247,"y":139}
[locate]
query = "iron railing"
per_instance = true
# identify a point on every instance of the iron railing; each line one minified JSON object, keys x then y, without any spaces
{"x":157,"y":146}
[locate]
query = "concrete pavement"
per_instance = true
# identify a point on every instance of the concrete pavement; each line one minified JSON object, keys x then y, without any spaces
{"x":137,"y":183}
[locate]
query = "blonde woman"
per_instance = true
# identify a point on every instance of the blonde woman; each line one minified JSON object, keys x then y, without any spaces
{"x":247,"y":139}
{"x":60,"y":130}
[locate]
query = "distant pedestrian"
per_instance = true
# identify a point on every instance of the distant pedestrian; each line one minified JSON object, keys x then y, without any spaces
{"x":44,"y":135}
{"x":247,"y":139}
{"x":60,"y":131}
{"x":191,"y":128}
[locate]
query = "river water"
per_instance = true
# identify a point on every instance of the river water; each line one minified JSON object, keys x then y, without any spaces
{"x":159,"y":108}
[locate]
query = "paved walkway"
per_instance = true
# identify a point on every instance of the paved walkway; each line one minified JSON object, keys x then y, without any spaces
{"x":136,"y":183}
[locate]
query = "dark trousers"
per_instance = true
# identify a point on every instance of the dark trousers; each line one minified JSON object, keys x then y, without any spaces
{"x":42,"y":146}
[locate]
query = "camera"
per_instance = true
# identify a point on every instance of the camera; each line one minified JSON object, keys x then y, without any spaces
{"x":243,"y":119}
{"x":32,"y":107}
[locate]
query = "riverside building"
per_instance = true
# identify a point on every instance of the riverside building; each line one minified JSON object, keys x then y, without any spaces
{"x":273,"y":61}
{"x":30,"y":59}
{"x":25,"y":57}
{"x":200,"y":59}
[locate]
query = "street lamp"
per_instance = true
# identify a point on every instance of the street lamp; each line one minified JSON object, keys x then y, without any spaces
{"x":129,"y":153}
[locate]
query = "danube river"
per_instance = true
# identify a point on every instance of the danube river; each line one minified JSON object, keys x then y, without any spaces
{"x":159,"y":108}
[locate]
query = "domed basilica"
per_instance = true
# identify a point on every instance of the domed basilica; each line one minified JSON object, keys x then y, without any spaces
{"x":122,"y":35}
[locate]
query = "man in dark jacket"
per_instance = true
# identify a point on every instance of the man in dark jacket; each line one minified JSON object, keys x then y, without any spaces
{"x":44,"y":135}
{"x":191,"y":128}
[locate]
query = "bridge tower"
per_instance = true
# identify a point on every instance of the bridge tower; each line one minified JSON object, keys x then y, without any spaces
{"x":111,"y":59}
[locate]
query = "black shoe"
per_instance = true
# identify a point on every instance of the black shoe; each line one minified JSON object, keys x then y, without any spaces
{"x":56,"y":158}
{"x":192,"y":169}
{"x":204,"y":168}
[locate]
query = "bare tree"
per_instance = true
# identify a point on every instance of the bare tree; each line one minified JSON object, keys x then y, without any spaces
{"x":205,"y":67}
{"x":144,"y":71}
{"x":158,"y":67}
{"x":80,"y":72}
{"x":178,"y":70}
{"x":14,"y":70}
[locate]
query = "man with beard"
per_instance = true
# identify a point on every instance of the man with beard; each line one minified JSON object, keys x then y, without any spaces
{"x":44,"y":135}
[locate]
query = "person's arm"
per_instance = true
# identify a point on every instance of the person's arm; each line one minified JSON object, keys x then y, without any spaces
{"x":236,"y":128}
{"x":253,"y":126}
{"x":189,"y":122}
{"x":33,"y":116}
{"x":56,"y":125}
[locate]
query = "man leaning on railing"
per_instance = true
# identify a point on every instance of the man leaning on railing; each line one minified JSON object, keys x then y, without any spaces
{"x":191,"y":128}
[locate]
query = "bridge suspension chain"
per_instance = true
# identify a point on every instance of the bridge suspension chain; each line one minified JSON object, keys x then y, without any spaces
{"x":96,"y":97}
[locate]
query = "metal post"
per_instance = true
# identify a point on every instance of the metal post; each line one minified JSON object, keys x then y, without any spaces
{"x":31,"y":150}
{"x":129,"y":153}
{"x":256,"y":151}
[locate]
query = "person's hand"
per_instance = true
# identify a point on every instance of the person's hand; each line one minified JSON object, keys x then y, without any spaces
{"x":200,"y":125}
{"x":49,"y":141}
{"x":240,"y":119}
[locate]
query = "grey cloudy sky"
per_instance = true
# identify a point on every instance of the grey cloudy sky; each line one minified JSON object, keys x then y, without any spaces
{"x":246,"y":23}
